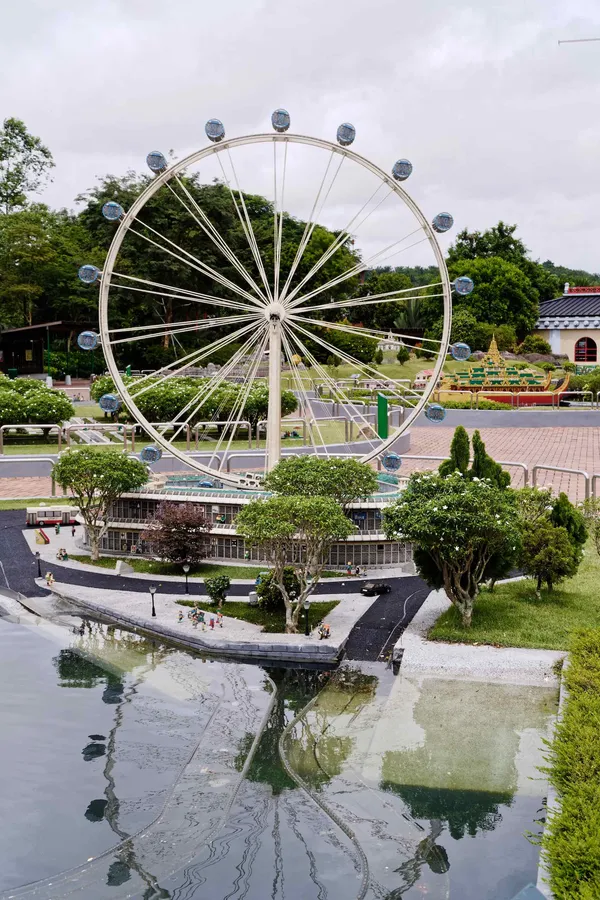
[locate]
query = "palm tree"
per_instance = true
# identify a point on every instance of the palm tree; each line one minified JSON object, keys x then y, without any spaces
{"x":412,"y":318}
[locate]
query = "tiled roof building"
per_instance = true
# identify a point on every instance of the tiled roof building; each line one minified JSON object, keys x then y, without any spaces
{"x":571,"y":323}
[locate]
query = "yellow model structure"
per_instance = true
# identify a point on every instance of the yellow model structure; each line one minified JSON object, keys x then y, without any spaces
{"x":494,"y":374}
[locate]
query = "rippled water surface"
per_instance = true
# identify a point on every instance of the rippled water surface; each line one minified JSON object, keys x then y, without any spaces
{"x":131,"y":769}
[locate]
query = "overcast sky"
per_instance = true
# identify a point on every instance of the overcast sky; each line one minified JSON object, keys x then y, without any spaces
{"x":498,"y":120}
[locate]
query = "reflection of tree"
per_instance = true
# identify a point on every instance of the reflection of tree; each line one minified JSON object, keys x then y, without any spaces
{"x":76,"y":669}
{"x":463,"y":811}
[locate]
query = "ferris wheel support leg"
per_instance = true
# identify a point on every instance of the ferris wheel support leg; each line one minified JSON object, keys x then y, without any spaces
{"x":274,"y":411}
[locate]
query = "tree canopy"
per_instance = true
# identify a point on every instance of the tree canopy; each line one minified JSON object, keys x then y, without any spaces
{"x":96,"y":479}
{"x":344,"y":480}
{"x":25,"y":164}
{"x":178,"y":532}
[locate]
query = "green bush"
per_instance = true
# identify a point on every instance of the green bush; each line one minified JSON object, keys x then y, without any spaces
{"x":571,"y":839}
{"x":569,"y":366}
{"x":378,"y":357}
{"x":217,"y":588}
{"x":483,"y":404}
{"x":546,"y":366}
{"x":533,"y":343}
{"x":270,"y":597}
{"x":403,"y":355}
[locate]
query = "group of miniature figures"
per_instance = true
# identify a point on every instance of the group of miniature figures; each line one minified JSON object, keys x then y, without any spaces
{"x":198,"y":617}
{"x":356,"y":570}
{"x":62,"y":555}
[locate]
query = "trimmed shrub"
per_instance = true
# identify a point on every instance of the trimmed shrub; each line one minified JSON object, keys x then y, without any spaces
{"x":571,"y":839}
{"x":533,"y":343}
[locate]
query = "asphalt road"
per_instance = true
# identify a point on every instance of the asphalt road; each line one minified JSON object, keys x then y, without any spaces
{"x":372,"y":638}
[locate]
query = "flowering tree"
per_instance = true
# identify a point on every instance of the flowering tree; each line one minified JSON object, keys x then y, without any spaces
{"x":96,"y":478}
{"x":283,"y":525}
{"x":311,"y":476}
{"x":458,"y":525}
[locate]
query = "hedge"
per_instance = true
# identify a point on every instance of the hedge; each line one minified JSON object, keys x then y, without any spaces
{"x":571,"y":840}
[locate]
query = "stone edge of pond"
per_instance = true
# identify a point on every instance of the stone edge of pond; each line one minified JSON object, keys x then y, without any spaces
{"x":295,"y":648}
{"x":552,"y":802}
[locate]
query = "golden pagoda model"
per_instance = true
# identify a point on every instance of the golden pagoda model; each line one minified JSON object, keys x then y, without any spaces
{"x":493,"y":374}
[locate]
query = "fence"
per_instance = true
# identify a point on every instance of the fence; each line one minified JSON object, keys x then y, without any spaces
{"x":30,"y":429}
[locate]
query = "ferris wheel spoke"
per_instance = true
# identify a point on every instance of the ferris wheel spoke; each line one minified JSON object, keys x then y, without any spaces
{"x":190,"y":260}
{"x":302,"y":390}
{"x":388,"y":297}
{"x":334,"y":387}
{"x":344,"y":235}
{"x":278,"y":225}
{"x":180,"y":293}
{"x":367,"y":370}
{"x":362,"y":330}
{"x":353,"y":270}
{"x":240,"y":404}
{"x":184,"y":362}
{"x":210,"y":230}
{"x":170,"y":329}
{"x":311,"y":223}
{"x":245,"y":222}
{"x":210,"y":388}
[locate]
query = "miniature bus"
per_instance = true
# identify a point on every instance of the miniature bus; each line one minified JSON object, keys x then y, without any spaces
{"x":38,"y":516}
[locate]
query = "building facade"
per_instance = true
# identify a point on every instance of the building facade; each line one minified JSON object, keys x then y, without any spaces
{"x":128,"y":518}
{"x":571,"y":324}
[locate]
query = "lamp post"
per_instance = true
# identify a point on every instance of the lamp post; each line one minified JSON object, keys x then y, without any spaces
{"x":38,"y":557}
{"x":152,"y":590}
{"x":186,"y":569}
{"x":306,"y":609}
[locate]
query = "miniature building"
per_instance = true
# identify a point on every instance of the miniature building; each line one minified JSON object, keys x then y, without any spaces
{"x":571,"y":323}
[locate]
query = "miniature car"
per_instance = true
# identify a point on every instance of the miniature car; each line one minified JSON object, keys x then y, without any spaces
{"x":372,"y":588}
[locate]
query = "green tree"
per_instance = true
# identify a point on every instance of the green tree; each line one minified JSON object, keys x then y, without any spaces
{"x":281,"y":525}
{"x":381,"y":316}
{"x":178,"y":532}
{"x":534,"y":343}
{"x":460,"y":451}
{"x":25,"y":164}
{"x":460,"y":525}
{"x":403,"y":355}
{"x":12,"y":408}
{"x":503,"y":294}
{"x":565,"y":515}
{"x":96,"y":479}
{"x":412,"y":316}
{"x":485,"y":467}
{"x":464,"y":327}
{"x":548,"y":553}
{"x":591,"y":512}
{"x":345,"y":480}
{"x":378,"y":358}
{"x":217,"y":588}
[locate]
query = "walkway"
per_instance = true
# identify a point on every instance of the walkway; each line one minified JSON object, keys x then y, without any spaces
{"x":374,"y":635}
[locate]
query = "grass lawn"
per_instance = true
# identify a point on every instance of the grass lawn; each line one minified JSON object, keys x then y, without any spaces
{"x":511,"y":616}
{"x":203,"y":570}
{"x":273,"y":622}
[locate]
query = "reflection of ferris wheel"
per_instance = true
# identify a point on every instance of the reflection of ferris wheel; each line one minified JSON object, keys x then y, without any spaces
{"x":282,"y":304}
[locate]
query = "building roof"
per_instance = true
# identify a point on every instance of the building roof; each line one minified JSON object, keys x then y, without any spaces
{"x":575,"y":302}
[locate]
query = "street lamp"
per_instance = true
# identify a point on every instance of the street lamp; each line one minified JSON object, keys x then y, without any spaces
{"x":306,"y":609}
{"x":152,"y":590}
{"x":38,"y":556}
{"x":186,"y":569}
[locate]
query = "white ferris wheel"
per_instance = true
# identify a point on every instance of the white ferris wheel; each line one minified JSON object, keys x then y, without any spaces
{"x":280,"y":306}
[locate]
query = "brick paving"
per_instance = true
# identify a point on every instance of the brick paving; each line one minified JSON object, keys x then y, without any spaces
{"x":573,"y":448}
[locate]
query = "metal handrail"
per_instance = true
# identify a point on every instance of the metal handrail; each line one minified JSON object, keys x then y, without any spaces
{"x":521,"y":394}
{"x":540,"y":466}
{"x":244,"y":422}
{"x":29,"y":428}
{"x":100,"y":426}
{"x":561,"y":394}
{"x":500,"y":462}
{"x":594,"y":477}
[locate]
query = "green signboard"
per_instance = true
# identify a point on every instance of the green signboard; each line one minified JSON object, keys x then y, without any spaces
{"x":382,"y":416}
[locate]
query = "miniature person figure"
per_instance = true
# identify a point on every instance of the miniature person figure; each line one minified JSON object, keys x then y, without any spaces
{"x":49,"y":578}
{"x":180,"y":616}
{"x":220,"y":619}
{"x":57,"y":528}
{"x":72,"y":531}
{"x":349,"y":567}
{"x":212,"y":624}
{"x":194,"y":621}
{"x":357,"y":571}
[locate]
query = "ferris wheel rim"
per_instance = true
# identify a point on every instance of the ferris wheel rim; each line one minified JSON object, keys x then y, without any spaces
{"x":196,"y":156}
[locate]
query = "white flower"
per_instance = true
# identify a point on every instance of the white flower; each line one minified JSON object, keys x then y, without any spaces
{"x":435,"y":508}
{"x":444,"y":507}
{"x":475,"y":479}
{"x":457,"y":548}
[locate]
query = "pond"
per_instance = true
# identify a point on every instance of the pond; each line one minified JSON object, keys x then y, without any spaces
{"x":135,"y":769}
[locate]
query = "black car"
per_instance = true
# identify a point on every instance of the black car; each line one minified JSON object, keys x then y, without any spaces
{"x":372,"y":588}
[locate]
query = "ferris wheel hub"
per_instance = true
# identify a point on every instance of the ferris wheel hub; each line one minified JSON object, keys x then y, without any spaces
{"x":275,"y":312}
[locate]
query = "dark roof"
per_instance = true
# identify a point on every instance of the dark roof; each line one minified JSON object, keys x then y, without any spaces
{"x":577,"y":304}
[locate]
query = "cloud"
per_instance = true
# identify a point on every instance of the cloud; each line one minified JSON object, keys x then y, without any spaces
{"x":498,"y":120}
